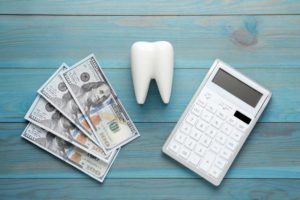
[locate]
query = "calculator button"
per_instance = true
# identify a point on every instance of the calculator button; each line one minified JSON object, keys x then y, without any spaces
{"x":216,"y":122}
{"x":201,"y":125}
{"x":206,"y":116}
{"x":221,"y":114}
{"x":220,"y":163}
{"x":194,"y":159}
{"x":196,"y":110}
{"x":205,"y":140}
{"x":242,"y":127}
{"x":231,"y":144}
{"x":190,"y":143}
{"x":174,"y":146}
{"x":185,"y":128}
{"x":191,"y":118}
{"x":215,"y":172}
{"x":221,"y":138}
{"x":231,"y":121}
{"x":201,"y":102}
{"x":226,"y":129}
{"x":196,"y":134}
{"x":211,"y":108}
{"x":236,"y":135}
{"x":225,"y":153}
{"x":200,"y":150}
{"x":211,"y":132}
{"x":180,"y":137}
{"x":184,"y":152}
{"x":207,"y":161}
{"x":207,"y":95}
{"x":216,"y":147}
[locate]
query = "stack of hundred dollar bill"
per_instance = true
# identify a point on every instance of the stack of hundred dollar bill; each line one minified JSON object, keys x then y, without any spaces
{"x":78,"y":118}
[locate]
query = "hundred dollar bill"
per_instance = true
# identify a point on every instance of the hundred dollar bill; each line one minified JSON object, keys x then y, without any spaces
{"x":67,"y":152}
{"x":44,"y":115}
{"x":98,"y":101}
{"x":55,"y":92}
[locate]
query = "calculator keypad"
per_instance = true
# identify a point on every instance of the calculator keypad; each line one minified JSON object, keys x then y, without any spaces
{"x":207,"y":138}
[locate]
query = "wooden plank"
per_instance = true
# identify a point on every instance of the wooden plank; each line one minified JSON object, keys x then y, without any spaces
{"x":271,"y":151}
{"x":149,"y":7}
{"x":18,"y":89}
{"x":242,"y":41}
{"x":276,"y":189}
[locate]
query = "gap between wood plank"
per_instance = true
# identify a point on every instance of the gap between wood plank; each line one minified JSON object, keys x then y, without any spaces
{"x":154,"y":15}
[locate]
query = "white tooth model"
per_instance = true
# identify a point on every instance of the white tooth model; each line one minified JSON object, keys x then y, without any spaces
{"x":152,"y":60}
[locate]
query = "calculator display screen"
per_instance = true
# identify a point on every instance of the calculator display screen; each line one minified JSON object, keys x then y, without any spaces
{"x":237,"y":87}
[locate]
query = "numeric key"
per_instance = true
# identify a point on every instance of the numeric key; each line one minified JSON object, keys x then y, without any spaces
{"x":216,"y":122}
{"x":220,"y":162}
{"x":191,"y":118}
{"x":236,"y":135}
{"x":201,"y":102}
{"x":185,"y":128}
{"x":207,"y":161}
{"x":196,"y":134}
{"x":197,"y":110}
{"x":211,"y":132}
{"x":221,"y":114}
{"x":215,"y":172}
{"x":200,"y":150}
{"x":221,"y":138}
{"x":206,"y":116}
{"x":226,"y":129}
{"x":216,"y":147}
{"x":231,"y":121}
{"x":211,"y":108}
{"x":242,"y":127}
{"x":190,"y":143}
{"x":231,"y":144}
{"x":180,"y":137}
{"x":225,"y":153}
{"x":194,"y":159}
{"x":201,"y":125}
{"x":184,"y":152}
{"x":174,"y":146}
{"x":205,"y":140}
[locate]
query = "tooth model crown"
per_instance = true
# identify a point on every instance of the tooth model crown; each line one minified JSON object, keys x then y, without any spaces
{"x":152,"y":60}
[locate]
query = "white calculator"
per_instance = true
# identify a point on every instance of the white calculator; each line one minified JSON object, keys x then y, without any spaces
{"x":217,"y":121}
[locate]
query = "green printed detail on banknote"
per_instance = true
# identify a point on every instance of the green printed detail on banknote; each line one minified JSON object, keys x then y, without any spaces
{"x":44,"y":115}
{"x":99,"y":103}
{"x":65,"y":151}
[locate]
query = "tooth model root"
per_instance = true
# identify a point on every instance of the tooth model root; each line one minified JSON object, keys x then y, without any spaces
{"x":152,"y":60}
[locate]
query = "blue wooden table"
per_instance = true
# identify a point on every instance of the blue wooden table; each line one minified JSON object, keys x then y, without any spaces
{"x":260,"y":38}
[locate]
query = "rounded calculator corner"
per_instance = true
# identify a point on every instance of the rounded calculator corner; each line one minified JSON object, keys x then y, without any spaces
{"x":270,"y":94}
{"x":164,"y":149}
{"x":217,"y":183}
{"x":216,"y":61}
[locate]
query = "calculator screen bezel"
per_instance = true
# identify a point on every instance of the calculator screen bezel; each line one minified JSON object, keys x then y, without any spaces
{"x":245,"y":107}
{"x":237,"y":87}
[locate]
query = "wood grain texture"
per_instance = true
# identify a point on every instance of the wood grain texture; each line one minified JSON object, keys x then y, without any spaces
{"x":149,"y":7}
{"x":242,"y":41}
{"x":271,"y":151}
{"x":232,"y":189}
{"x":18,"y":89}
{"x":260,"y":38}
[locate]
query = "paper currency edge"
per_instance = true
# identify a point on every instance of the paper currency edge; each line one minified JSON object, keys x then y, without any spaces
{"x":80,"y":107}
{"x":94,"y":177}
{"x":56,"y":134}
{"x":57,"y":108}
{"x":136,"y":135}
